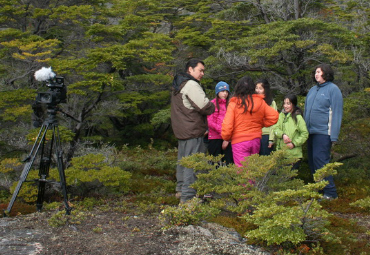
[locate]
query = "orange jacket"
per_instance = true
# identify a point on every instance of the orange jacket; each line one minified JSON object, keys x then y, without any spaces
{"x":239,"y":127}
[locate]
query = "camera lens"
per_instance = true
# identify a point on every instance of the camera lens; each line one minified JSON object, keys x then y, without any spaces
{"x":59,"y":80}
{"x":46,"y":98}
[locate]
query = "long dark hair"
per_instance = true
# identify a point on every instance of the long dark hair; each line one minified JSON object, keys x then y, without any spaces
{"x":268,"y":93}
{"x":296,"y":110}
{"x":244,"y":90}
{"x":227,"y":101}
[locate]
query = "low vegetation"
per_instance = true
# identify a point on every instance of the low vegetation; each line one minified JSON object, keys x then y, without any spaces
{"x":265,"y":201}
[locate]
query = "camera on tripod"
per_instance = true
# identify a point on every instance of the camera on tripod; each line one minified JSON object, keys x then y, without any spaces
{"x":48,"y":148}
{"x":57,"y":92}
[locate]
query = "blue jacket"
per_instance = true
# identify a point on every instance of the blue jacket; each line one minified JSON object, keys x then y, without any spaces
{"x":324,"y":109}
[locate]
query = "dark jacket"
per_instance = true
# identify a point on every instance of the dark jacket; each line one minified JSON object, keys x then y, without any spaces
{"x":189,"y":108}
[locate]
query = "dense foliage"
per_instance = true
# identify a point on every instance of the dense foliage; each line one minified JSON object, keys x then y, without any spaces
{"x":266,"y":193}
{"x":118,"y":58}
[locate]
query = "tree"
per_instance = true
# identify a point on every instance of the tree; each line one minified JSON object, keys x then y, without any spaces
{"x":286,"y":51}
{"x":108,"y":54}
{"x":118,"y":57}
{"x":283,"y":10}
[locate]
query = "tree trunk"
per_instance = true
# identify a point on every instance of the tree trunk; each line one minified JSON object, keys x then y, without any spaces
{"x":297,"y":9}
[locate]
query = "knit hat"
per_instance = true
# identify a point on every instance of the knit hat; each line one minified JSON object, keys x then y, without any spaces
{"x":221,"y":86}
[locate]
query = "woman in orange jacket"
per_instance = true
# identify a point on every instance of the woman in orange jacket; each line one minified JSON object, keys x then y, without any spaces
{"x":247,"y":113}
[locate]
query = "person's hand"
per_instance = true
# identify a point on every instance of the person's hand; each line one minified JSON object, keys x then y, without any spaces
{"x":290,"y":145}
{"x":206,"y":133}
{"x":225,"y":144}
{"x":286,"y":139}
{"x":271,"y":143}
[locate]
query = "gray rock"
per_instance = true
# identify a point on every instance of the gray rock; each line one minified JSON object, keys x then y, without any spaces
{"x":210,"y":239}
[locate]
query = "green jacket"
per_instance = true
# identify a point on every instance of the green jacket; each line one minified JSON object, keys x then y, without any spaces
{"x":270,"y":130}
{"x":297,"y":132}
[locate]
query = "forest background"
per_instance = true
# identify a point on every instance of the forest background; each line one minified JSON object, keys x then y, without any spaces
{"x":118,"y":59}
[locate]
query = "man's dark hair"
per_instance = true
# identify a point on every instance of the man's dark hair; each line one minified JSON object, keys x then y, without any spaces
{"x":328,"y":72}
{"x":193,"y":63}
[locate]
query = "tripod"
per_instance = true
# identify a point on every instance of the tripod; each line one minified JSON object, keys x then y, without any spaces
{"x":46,"y":152}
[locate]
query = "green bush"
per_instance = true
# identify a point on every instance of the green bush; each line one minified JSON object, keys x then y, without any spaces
{"x":65,"y":134}
{"x":93,"y":174}
{"x":267,"y":194}
{"x":60,"y":218}
{"x":28,"y":192}
{"x":190,"y":213}
{"x":362,"y":203}
{"x":88,"y":203}
{"x":280,"y":223}
{"x":148,"y":161}
{"x":87,"y":175}
{"x":9,"y":167}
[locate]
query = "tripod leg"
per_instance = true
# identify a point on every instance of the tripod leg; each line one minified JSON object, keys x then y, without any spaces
{"x":59,"y":154}
{"x":23,"y":177}
{"x":44,"y":171}
{"x":27,"y":167}
{"x":43,"y":174}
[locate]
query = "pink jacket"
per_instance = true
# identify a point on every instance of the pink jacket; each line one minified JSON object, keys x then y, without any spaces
{"x":215,"y":119}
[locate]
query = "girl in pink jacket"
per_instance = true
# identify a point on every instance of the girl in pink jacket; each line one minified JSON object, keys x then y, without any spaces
{"x":216,"y":145}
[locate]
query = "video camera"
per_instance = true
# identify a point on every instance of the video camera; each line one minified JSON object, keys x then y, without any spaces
{"x":57,"y":92}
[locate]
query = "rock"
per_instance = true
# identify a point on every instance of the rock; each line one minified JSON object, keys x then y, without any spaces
{"x":211,"y":239}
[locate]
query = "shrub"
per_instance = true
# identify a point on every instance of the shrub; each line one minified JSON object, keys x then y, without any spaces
{"x":148,"y":161}
{"x":88,"y":203}
{"x":8,"y":169}
{"x":266,"y":194}
{"x":93,"y":174}
{"x":51,"y":206}
{"x":60,"y":219}
{"x":362,"y":203}
{"x":28,"y":192}
{"x":280,"y":223}
{"x":190,"y":213}
{"x":87,"y":175}
{"x":65,"y":134}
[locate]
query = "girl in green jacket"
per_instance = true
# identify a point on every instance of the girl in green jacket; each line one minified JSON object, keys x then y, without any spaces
{"x":290,"y":130}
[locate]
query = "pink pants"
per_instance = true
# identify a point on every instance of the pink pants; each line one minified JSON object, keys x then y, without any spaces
{"x":244,"y":149}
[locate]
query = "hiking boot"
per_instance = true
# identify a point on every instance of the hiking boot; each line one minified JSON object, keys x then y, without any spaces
{"x":178,"y":194}
{"x":327,"y":198}
{"x":207,"y":196}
